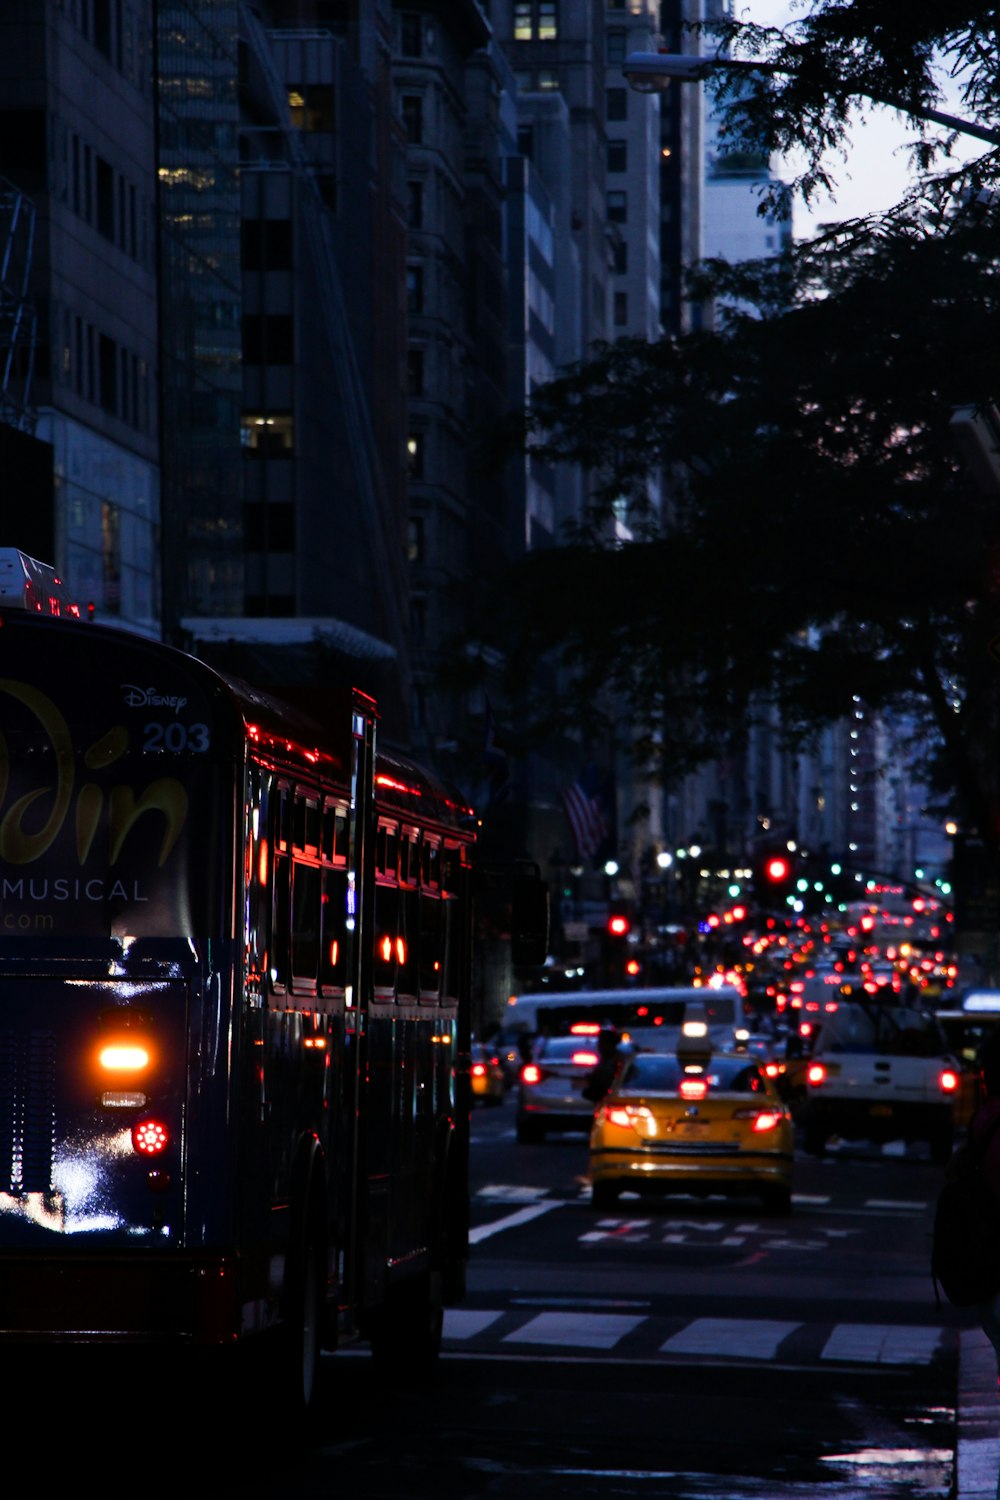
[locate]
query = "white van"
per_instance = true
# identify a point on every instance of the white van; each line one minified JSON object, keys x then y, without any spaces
{"x":652,"y":1017}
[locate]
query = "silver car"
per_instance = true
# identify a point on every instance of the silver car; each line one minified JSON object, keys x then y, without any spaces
{"x":550,"y":1090}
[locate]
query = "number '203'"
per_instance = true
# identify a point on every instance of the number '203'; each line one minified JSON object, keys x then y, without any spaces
{"x":176,"y":738}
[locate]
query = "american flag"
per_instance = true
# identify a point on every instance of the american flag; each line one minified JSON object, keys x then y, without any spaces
{"x":588,"y":810}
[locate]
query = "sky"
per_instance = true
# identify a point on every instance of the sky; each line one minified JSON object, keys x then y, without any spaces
{"x":876,"y":174}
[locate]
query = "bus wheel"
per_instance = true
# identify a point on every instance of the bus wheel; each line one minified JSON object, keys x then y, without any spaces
{"x":303,"y":1334}
{"x":406,"y":1333}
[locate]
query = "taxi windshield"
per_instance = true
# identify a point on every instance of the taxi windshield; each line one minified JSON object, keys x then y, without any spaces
{"x":660,"y":1074}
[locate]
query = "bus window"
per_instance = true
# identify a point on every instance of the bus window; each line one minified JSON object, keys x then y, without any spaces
{"x":387,"y":936}
{"x":305,"y":921}
{"x":333,"y":949}
{"x":430,"y":957}
{"x":280,"y":922}
{"x":306,"y":824}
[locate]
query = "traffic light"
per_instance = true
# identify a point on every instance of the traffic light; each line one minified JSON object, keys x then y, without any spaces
{"x":619,"y":925}
{"x":774,"y":875}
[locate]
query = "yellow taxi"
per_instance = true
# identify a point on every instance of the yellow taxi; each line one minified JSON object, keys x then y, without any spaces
{"x":692,"y":1123}
{"x":486,"y":1075}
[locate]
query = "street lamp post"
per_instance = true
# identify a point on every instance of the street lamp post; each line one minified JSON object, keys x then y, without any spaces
{"x":652,"y":72}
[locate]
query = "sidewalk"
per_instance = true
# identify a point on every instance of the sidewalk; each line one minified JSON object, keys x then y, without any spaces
{"x":978,"y":1418}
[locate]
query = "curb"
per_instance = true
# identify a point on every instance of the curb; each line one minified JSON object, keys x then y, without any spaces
{"x":977,"y":1457}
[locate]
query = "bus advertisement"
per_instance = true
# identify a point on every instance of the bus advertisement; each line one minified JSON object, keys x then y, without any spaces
{"x":235,"y":952}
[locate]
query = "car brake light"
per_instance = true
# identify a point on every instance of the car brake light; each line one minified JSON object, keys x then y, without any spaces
{"x":585,"y":1028}
{"x":626,"y":1116}
{"x":479,"y":1070}
{"x":693,"y":1088}
{"x":816,"y":1074}
{"x":948,"y":1081}
{"x":586,"y":1059}
{"x":763,"y":1119}
{"x":531,"y":1073}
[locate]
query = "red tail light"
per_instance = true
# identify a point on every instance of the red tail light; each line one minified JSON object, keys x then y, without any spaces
{"x":586,"y":1059}
{"x":531,"y":1073}
{"x":948,"y":1081}
{"x":816,"y":1074}
{"x":150,"y":1137}
{"x":479,"y":1070}
{"x":763,"y":1119}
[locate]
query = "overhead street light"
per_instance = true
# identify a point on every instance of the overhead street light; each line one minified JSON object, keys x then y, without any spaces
{"x":652,"y":72}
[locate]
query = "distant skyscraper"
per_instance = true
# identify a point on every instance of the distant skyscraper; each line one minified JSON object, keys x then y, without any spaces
{"x":80,"y":448}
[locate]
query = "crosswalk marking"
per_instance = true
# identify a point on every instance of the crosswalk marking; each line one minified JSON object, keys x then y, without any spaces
{"x":737,"y":1338}
{"x":881,"y":1344}
{"x":465,"y":1323}
{"x":575,"y":1330}
{"x":749,"y":1338}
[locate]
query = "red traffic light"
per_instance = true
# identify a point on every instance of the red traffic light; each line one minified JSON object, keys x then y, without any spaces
{"x":777,"y":869}
{"x":618,"y":926}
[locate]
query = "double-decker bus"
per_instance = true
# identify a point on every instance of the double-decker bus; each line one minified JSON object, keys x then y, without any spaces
{"x":235,"y":977}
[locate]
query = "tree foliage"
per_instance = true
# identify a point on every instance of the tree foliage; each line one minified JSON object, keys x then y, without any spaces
{"x":814,"y":75}
{"x":824,"y":538}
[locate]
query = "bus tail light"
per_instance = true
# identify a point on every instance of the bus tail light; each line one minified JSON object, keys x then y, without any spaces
{"x":150,"y":1137}
{"x":124,"y":1057}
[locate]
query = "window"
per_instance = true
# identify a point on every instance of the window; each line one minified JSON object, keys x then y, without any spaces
{"x":267,"y":339}
{"x":104,"y":178}
{"x":414,"y":289}
{"x":415,"y":205}
{"x":617,"y":207}
{"x":270,"y":436}
{"x":108,"y":365}
{"x":305,"y":920}
{"x":268,"y":526}
{"x":621,"y":309}
{"x":548,"y":79}
{"x":311,"y":106}
{"x":620,"y":258}
{"x":616,"y":41}
{"x":536,"y":20}
{"x":266,"y":244}
{"x":616,"y":105}
{"x":412,"y":107}
{"x":415,"y":544}
{"x":415,"y":371}
{"x":617,"y":156}
{"x":415,"y":455}
{"x":411,"y":35}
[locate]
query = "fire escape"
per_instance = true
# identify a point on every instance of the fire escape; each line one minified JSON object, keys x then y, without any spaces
{"x":18,"y":319}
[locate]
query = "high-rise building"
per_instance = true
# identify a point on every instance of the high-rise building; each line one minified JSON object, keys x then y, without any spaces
{"x":78,"y":409}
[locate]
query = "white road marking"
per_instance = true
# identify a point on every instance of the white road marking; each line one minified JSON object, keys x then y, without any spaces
{"x":882,"y":1344}
{"x":465,"y":1323}
{"x":511,"y":1193}
{"x":747,"y":1338}
{"x":901,"y":1203}
{"x":575,"y":1330}
{"x":523,"y":1216}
